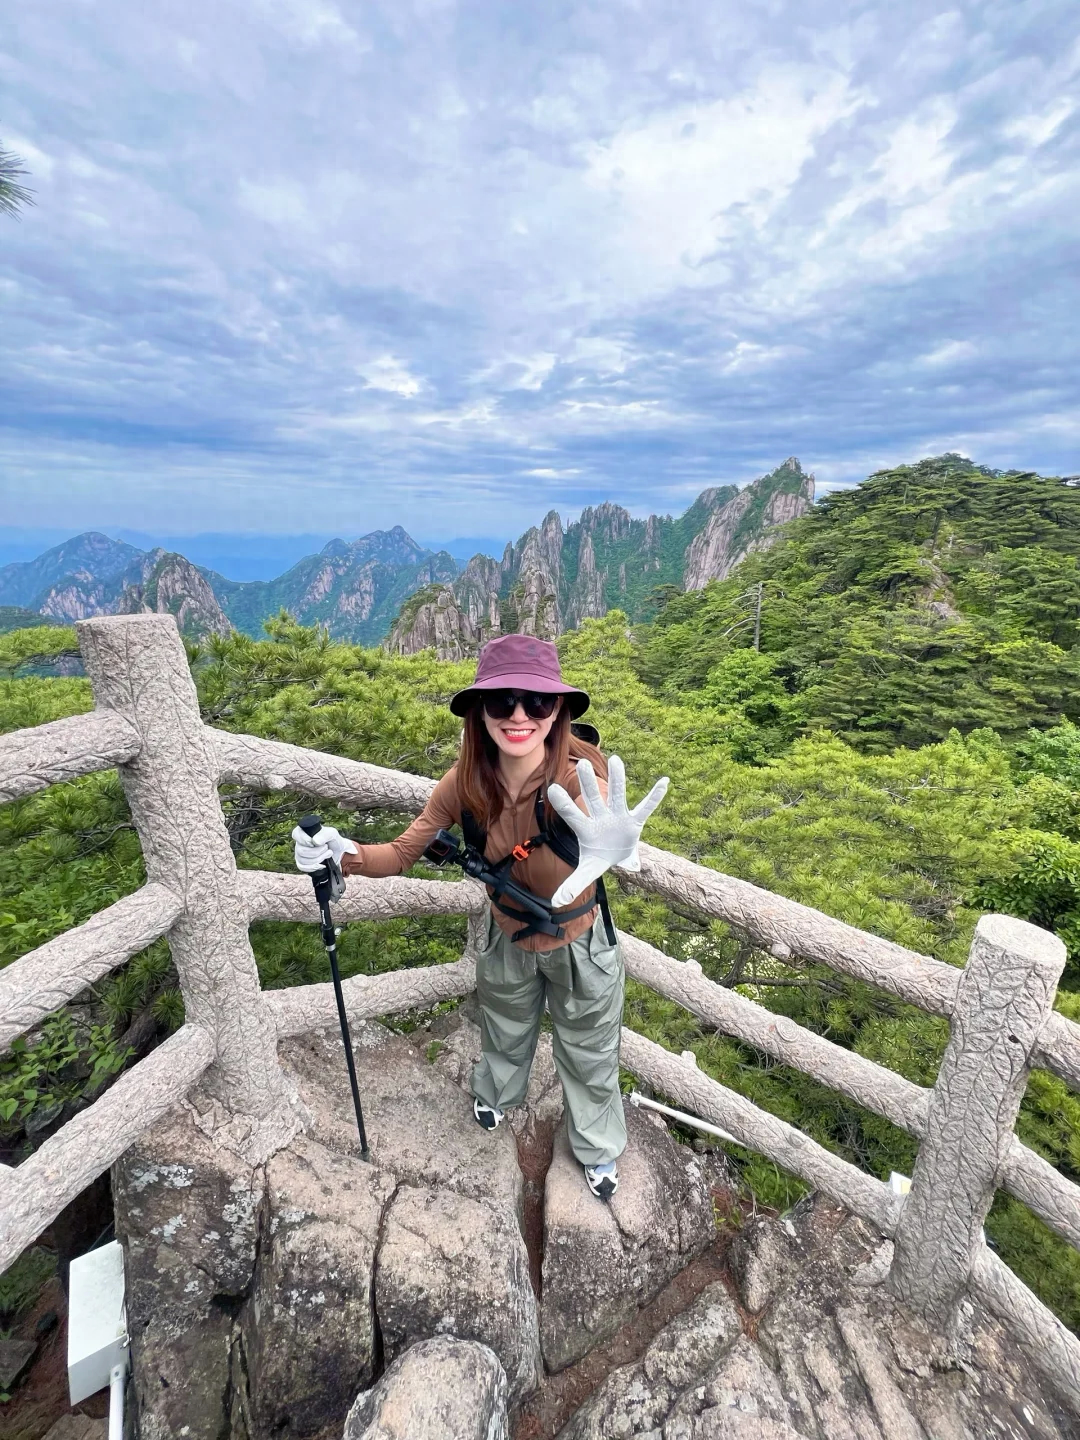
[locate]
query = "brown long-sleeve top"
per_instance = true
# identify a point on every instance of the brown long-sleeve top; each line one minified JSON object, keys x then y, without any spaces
{"x":542,"y":872}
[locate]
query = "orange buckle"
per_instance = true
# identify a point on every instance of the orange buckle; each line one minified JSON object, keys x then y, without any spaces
{"x":521,"y":852}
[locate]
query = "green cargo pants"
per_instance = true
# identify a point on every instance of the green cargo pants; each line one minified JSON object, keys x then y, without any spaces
{"x":582,"y":984}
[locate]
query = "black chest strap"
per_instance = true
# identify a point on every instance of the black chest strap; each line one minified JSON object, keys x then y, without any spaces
{"x":558,"y":836}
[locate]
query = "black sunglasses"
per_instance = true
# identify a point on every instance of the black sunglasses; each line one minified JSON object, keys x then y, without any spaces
{"x":501,"y":704}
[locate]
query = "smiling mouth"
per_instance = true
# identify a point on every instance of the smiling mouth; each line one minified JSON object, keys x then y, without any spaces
{"x":517,"y":736}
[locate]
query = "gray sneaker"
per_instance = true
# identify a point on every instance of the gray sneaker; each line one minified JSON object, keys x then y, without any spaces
{"x":603,"y":1180}
{"x":486,"y":1115}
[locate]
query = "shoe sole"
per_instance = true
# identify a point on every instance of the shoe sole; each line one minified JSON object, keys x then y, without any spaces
{"x":604,"y":1190}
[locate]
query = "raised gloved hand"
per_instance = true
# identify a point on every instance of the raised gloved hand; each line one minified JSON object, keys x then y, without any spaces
{"x":608,"y":835}
{"x":312,"y":851}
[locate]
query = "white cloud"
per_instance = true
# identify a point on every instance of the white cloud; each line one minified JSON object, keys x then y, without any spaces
{"x":916,"y":161}
{"x":694,"y":176}
{"x":481,"y":415}
{"x":630,"y":415}
{"x":312,"y":23}
{"x":390,"y":374}
{"x":36,"y":161}
{"x":1040,"y":126}
{"x":520,"y":372}
{"x":600,"y":355}
{"x":950,"y":353}
{"x":746,"y":355}
{"x":281,"y":202}
{"x":535,"y":370}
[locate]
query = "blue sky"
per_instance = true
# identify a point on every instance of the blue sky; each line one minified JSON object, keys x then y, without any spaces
{"x":322,"y":266}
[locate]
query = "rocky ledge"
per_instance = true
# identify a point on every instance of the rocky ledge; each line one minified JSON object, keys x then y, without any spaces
{"x":802,"y":1341}
{"x":446,"y":1288}
{"x":262,"y":1301}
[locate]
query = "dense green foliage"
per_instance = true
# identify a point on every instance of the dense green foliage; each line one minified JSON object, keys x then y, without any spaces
{"x":28,"y":649}
{"x":910,"y":843}
{"x":932,"y":597}
{"x":14,"y":617}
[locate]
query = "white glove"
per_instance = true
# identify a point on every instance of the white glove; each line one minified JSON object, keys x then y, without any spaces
{"x":608,"y":835}
{"x":312,"y":851}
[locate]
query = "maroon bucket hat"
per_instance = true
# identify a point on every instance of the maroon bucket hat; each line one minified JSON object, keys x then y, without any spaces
{"x":520,"y":662}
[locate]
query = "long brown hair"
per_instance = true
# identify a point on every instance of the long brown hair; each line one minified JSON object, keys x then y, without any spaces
{"x":478,"y":786}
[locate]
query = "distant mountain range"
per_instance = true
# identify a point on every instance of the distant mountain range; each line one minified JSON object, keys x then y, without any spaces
{"x":236,"y":556}
{"x":354,"y":588}
{"x":385,"y":582}
{"x":552,"y":579}
{"x":93,"y":575}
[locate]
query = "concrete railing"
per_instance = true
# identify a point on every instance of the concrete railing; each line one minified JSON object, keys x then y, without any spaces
{"x":147,"y":724}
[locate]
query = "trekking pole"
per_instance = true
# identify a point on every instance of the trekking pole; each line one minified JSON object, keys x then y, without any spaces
{"x":330,"y":885}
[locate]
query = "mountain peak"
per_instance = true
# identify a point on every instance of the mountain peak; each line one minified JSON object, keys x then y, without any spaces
{"x":27,"y":582}
{"x":746,"y":522}
{"x":171,"y":585}
{"x":551,"y":580}
{"x":713,"y":496}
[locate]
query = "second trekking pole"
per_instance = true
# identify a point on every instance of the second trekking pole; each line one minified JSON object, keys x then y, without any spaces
{"x":330,"y":885}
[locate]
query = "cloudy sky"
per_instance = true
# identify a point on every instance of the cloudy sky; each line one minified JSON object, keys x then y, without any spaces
{"x":328,"y":266}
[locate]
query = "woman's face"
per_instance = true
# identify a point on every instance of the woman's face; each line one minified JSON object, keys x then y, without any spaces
{"x":519,"y":736}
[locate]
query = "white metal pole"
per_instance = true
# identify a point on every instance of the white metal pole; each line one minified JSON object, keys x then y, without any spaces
{"x":116,"y":1402}
{"x":683,"y":1118}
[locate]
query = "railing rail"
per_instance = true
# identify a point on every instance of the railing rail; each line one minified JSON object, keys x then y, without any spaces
{"x":1029,"y":1177}
{"x":63,"y":750}
{"x":269,"y":895}
{"x":43,"y":979}
{"x":147,"y":723}
{"x":33,"y":1193}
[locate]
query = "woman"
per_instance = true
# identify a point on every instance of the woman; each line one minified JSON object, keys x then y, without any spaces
{"x":514,"y":777}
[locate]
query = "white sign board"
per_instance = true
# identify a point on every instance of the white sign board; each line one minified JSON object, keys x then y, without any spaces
{"x":97,"y":1322}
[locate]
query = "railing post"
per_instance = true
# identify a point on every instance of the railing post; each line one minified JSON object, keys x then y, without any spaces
{"x":137,"y":666}
{"x":1006,"y":992}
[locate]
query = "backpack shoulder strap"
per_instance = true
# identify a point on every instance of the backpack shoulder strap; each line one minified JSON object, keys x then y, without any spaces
{"x":584,"y":731}
{"x":555,"y":832}
{"x":474,"y":835}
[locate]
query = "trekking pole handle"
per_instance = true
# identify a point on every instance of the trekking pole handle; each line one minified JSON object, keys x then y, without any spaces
{"x":328,"y":880}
